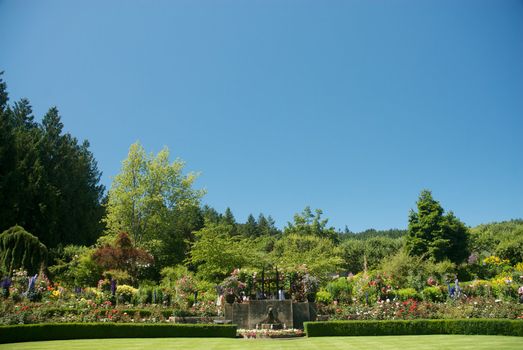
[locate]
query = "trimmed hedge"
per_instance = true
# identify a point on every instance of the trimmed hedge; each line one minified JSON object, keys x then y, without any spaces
{"x":56,"y":311}
{"x":63,"y":331}
{"x":415,"y":327}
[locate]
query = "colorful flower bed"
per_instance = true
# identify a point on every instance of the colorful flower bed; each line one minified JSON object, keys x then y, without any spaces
{"x":269,"y":333}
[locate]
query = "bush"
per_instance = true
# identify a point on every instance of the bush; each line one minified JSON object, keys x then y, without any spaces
{"x":477,"y":288}
{"x":125,"y":293}
{"x":434,"y":294}
{"x":39,"y":332}
{"x":406,"y":294}
{"x":20,"y":249}
{"x":414,"y":327}
{"x":340,"y":289}
{"x":324,"y":297}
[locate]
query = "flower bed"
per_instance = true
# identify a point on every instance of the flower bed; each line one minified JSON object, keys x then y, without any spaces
{"x":413,"y":309}
{"x":269,"y":333}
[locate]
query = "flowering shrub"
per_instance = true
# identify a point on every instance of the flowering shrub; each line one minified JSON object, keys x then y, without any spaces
{"x":495,"y":260}
{"x":186,"y":285}
{"x":413,"y":309}
{"x":504,"y":288}
{"x":233,"y":286}
{"x":125,"y":293}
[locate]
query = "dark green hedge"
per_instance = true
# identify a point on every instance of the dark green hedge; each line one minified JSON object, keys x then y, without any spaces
{"x":415,"y":327}
{"x":60,"y":331}
{"x":55,"y":311}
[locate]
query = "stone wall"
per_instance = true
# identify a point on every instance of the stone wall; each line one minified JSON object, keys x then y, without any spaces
{"x":248,"y":314}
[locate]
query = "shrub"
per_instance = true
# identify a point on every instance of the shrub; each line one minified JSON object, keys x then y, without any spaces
{"x":125,"y":293}
{"x":477,"y":288}
{"x":39,"y":332}
{"x":324,"y":297}
{"x":434,"y":294}
{"x":144,"y":295}
{"x":414,"y":327}
{"x":340,"y":289}
{"x":407,"y":293}
{"x":19,"y":248}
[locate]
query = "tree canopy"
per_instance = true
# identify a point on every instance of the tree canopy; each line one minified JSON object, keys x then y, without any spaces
{"x":433,"y":235}
{"x":49,"y":182}
{"x":148,"y":198}
{"x":309,"y":223}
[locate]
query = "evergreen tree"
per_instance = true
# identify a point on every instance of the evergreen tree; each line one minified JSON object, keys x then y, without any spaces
{"x":228,"y":219}
{"x":267,"y":226}
{"x":434,"y":235}
{"x":7,"y":158}
{"x":250,"y":228}
{"x":48,"y":182}
{"x":210,"y":215}
{"x":20,"y":249}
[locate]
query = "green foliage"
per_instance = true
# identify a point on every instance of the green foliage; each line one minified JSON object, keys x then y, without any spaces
{"x":125,"y":293}
{"x":323,"y":297}
{"x":172,"y":274}
{"x":373,"y":250}
{"x":49,"y":181}
{"x":154,"y":201}
{"x":250,"y":228}
{"x":434,"y":294}
{"x":340,"y":289}
{"x":267,"y":226}
{"x":20,"y":249}
{"x":309,"y":223}
{"x":434,"y":235}
{"x":216,"y":252}
{"x":319,"y":254}
{"x":405,"y":270}
{"x":487,"y":237}
{"x":40,"y":332}
{"x":404,"y":294}
{"x":512,"y":249}
{"x":414,"y":327}
{"x":371,"y":233}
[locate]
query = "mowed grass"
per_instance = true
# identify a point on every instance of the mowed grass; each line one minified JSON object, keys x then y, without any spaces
{"x":461,"y":342}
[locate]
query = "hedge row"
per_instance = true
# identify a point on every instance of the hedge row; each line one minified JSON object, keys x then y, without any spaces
{"x":415,"y":327}
{"x":62,"y":331}
{"x":55,"y":311}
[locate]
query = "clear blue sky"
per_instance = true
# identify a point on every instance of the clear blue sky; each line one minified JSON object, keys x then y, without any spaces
{"x":349,"y":106}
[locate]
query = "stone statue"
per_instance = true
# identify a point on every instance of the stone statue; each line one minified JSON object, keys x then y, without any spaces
{"x":272,"y":321}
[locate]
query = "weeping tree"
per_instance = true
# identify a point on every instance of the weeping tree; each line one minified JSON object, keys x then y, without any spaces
{"x":20,"y":249}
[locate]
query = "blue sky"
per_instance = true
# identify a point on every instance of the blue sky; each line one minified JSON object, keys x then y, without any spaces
{"x":353,"y":107}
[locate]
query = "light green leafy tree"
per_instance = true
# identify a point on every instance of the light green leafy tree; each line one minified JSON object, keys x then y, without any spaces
{"x":146,"y":198}
{"x":216,"y":252}
{"x":320,"y":255}
{"x":309,"y":223}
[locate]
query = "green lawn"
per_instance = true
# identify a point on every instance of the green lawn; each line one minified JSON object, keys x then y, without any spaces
{"x":454,"y":342}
